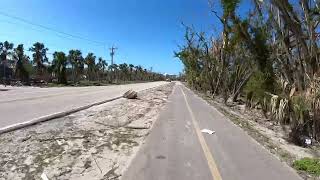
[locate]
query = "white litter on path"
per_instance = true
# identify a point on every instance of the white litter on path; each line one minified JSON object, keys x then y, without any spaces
{"x":308,"y":141}
{"x":44,"y":176}
{"x":208,"y":131}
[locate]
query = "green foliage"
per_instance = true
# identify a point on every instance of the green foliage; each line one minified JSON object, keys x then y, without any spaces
{"x":261,"y":49}
{"x":21,"y":61}
{"x":77,"y":62}
{"x":309,"y":165}
{"x":229,"y":6}
{"x":271,"y":52}
{"x":237,"y":35}
{"x":33,"y":72}
{"x":300,"y":108}
{"x":39,"y":56}
{"x":5,"y":50}
{"x":262,"y":57}
{"x":189,"y":56}
{"x":256,"y":85}
{"x":59,"y":63}
{"x":90,"y":62}
{"x":29,"y":68}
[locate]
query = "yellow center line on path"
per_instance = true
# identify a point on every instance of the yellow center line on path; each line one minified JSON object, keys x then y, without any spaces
{"x":210,"y":160}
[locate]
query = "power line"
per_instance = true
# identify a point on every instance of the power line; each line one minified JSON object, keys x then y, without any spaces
{"x":58,"y":32}
{"x":38,"y":30}
{"x":50,"y":29}
{"x":50,"y":44}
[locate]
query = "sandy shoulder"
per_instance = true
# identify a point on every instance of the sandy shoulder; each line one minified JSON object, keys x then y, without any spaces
{"x":97,"y":143}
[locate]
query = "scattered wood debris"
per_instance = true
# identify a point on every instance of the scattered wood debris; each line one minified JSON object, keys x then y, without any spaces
{"x":96,"y":143}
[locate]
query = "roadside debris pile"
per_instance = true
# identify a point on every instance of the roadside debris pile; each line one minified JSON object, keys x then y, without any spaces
{"x":97,"y":143}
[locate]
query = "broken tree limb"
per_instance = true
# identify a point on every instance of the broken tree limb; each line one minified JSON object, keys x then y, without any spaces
{"x":106,"y":124}
{"x":96,"y":163}
{"x":59,"y":138}
{"x":112,"y":172}
{"x":115,"y":177}
{"x":26,"y":138}
{"x":137,"y":127}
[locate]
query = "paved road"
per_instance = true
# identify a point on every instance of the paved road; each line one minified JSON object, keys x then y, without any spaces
{"x":20,"y":104}
{"x":177,"y":150}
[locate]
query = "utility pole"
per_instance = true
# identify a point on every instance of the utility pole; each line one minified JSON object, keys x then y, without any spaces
{"x":112,"y":49}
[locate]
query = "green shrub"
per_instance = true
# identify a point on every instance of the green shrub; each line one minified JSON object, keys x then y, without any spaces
{"x":256,"y":86}
{"x":309,"y":165}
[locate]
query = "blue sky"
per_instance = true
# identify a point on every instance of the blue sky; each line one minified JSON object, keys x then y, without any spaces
{"x":145,"y":31}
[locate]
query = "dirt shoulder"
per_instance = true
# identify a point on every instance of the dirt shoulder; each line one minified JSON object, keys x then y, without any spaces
{"x":270,"y":135}
{"x":97,"y":143}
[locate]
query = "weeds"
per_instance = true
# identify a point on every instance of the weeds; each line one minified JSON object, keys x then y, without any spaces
{"x":309,"y":165}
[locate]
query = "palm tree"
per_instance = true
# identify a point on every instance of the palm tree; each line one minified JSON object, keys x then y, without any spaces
{"x":90,"y":62}
{"x":101,"y":66}
{"x":145,"y":74}
{"x":123,"y":70}
{"x":5,"y":50}
{"x":113,"y":68}
{"x":138,"y":72}
{"x":39,"y":56}
{"x":104,"y":65}
{"x":21,"y":59}
{"x":131,"y":66}
{"x":76,"y":60}
{"x":126,"y":70}
{"x":59,"y":64}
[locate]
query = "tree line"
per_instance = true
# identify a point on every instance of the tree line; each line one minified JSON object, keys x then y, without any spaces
{"x":65,"y":68}
{"x":268,"y":57}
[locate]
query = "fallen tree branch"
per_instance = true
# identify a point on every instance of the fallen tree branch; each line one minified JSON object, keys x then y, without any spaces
{"x":111,"y":172}
{"x":137,"y":127}
{"x":106,"y":124}
{"x":26,"y":138}
{"x":115,"y":177}
{"x":96,"y":163}
{"x":64,"y":138}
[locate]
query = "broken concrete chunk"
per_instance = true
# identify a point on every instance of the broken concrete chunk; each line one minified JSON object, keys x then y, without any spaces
{"x":130,"y":94}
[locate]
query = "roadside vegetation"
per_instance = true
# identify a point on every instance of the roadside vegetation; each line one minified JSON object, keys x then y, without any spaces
{"x":267,"y":59}
{"x":72,"y":68}
{"x":312,"y":166}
